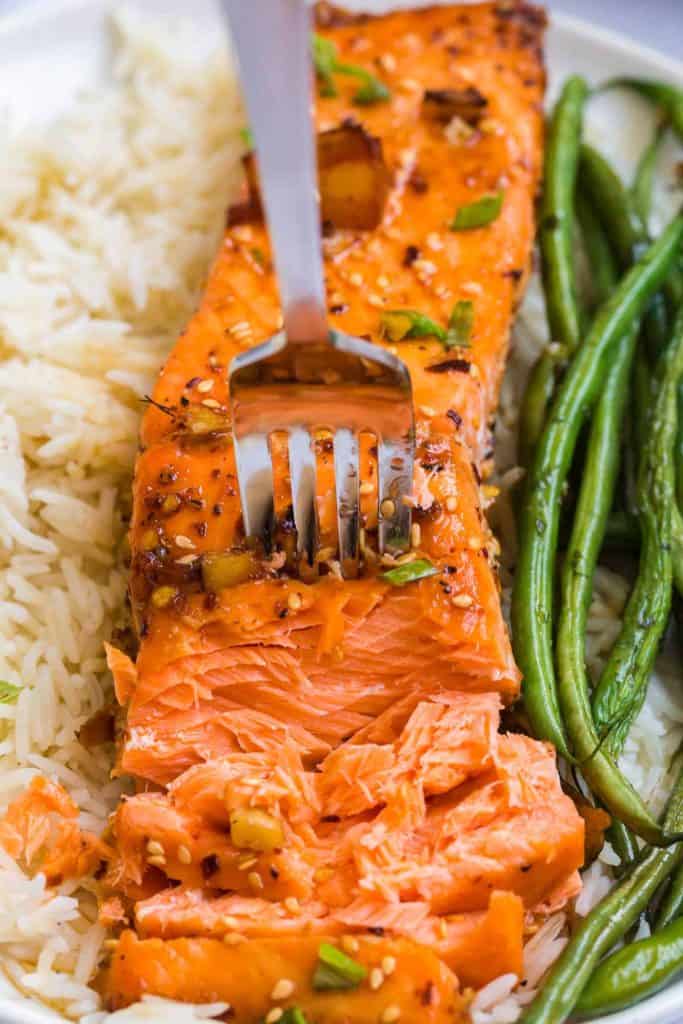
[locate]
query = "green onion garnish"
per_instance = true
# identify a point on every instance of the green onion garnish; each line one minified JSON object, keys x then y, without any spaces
{"x":327,"y":64}
{"x":399,"y":324}
{"x":409,"y":572}
{"x":460,"y":325}
{"x":478,"y":214}
{"x":336,"y":970}
{"x":247,"y":137}
{"x":8,"y":692}
{"x":293,"y":1015}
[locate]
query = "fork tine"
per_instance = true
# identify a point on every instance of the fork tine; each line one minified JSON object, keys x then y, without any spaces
{"x":255,"y":477}
{"x":395,"y":461}
{"x":302,"y":474}
{"x":346,"y":480}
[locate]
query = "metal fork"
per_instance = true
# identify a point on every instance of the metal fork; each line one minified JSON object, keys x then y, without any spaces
{"x":308,"y":377}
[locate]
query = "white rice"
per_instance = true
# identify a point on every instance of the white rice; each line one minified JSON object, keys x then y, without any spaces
{"x":108,"y":221}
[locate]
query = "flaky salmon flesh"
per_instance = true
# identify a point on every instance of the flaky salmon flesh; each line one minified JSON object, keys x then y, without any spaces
{"x":318,"y":761}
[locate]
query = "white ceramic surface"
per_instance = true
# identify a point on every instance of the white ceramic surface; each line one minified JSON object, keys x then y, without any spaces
{"x":50,"y":49}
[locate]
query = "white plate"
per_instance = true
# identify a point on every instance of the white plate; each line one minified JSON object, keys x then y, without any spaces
{"x":50,"y":49}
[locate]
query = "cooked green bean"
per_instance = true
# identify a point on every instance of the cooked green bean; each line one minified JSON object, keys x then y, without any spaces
{"x":606,"y":924}
{"x":643,"y":182}
{"x":556,"y":237}
{"x":611,"y":202}
{"x":667,"y":97}
{"x":621,"y":690}
{"x":634,"y":972}
{"x":539,"y":518}
{"x":603,"y":270}
{"x":557,"y":214}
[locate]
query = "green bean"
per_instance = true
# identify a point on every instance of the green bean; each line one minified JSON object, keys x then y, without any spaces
{"x":634,"y":972}
{"x":679,"y":449}
{"x":596,"y":494}
{"x":624,"y":844}
{"x":603,"y":270}
{"x":668,"y":98}
{"x":671,"y":905}
{"x":643,"y":182}
{"x":557,"y":258}
{"x":606,"y":924}
{"x":539,"y":518}
{"x":610,"y":200}
{"x":557,"y":214}
{"x":621,"y":690}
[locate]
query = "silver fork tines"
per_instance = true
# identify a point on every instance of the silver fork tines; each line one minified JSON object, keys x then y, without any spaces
{"x":307,"y":377}
{"x":344,"y":385}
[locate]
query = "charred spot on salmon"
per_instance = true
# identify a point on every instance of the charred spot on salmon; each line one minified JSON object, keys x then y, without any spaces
{"x":442,"y":105}
{"x":457,"y":365}
{"x":209,"y":865}
{"x":411,"y":254}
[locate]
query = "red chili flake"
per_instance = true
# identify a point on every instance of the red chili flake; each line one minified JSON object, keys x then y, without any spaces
{"x":192,"y":382}
{"x":454,"y":417}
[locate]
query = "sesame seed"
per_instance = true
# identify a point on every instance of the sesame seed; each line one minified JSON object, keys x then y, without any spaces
{"x":186,"y":559}
{"x":350,"y":944}
{"x":388,"y":508}
{"x":273,"y":1016}
{"x":391,"y":1015}
{"x":356,"y":279}
{"x":204,"y":386}
{"x":451,"y":504}
{"x":375,"y":300}
{"x":155,"y":848}
{"x":474,"y":370}
{"x":210,"y":403}
{"x":255,"y":881}
{"x":183,"y":542}
{"x":427,"y":411}
{"x":283,"y":989}
{"x":388,"y":62}
{"x":409,"y":556}
{"x":246,"y":863}
{"x":226,"y":921}
{"x":425,"y":266}
{"x":474,"y":543}
{"x":472,"y":288}
{"x":184,"y":855}
{"x":415,"y":535}
{"x":213,"y":361}
{"x":409,"y":85}
{"x":157,"y":862}
{"x":233,"y":939}
{"x":292,"y":904}
{"x":462,"y":600}
{"x":434,"y":241}
{"x":240,"y":327}
{"x":294,"y":602}
{"x":366,"y":487}
{"x":443,"y":929}
{"x":336,"y":299}
{"x":389,"y":964}
{"x":376,"y":979}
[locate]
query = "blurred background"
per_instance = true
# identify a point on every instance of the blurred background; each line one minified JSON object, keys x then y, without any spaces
{"x":655,"y":23}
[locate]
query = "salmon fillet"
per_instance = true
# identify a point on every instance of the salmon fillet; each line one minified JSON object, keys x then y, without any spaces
{"x":357,"y":721}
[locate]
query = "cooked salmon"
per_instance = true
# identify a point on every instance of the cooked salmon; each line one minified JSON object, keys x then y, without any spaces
{"x":318,"y":760}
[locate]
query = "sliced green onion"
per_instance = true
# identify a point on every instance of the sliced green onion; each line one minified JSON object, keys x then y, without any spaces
{"x":8,"y":692}
{"x":327,"y":64}
{"x":478,"y":214}
{"x":460,"y":325}
{"x":293,"y":1015}
{"x":399,"y":324}
{"x":409,"y":572}
{"x":247,"y":137}
{"x":336,"y":970}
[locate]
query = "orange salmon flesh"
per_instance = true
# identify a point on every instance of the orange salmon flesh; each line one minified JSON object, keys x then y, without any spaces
{"x":357,"y":723}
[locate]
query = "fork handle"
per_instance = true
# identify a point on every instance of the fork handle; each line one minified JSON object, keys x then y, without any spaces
{"x":274,"y":50}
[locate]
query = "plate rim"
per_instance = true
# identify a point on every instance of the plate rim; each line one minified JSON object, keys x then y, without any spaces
{"x":20,"y":1009}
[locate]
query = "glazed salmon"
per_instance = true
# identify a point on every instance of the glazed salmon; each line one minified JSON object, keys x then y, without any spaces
{"x":319,"y":760}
